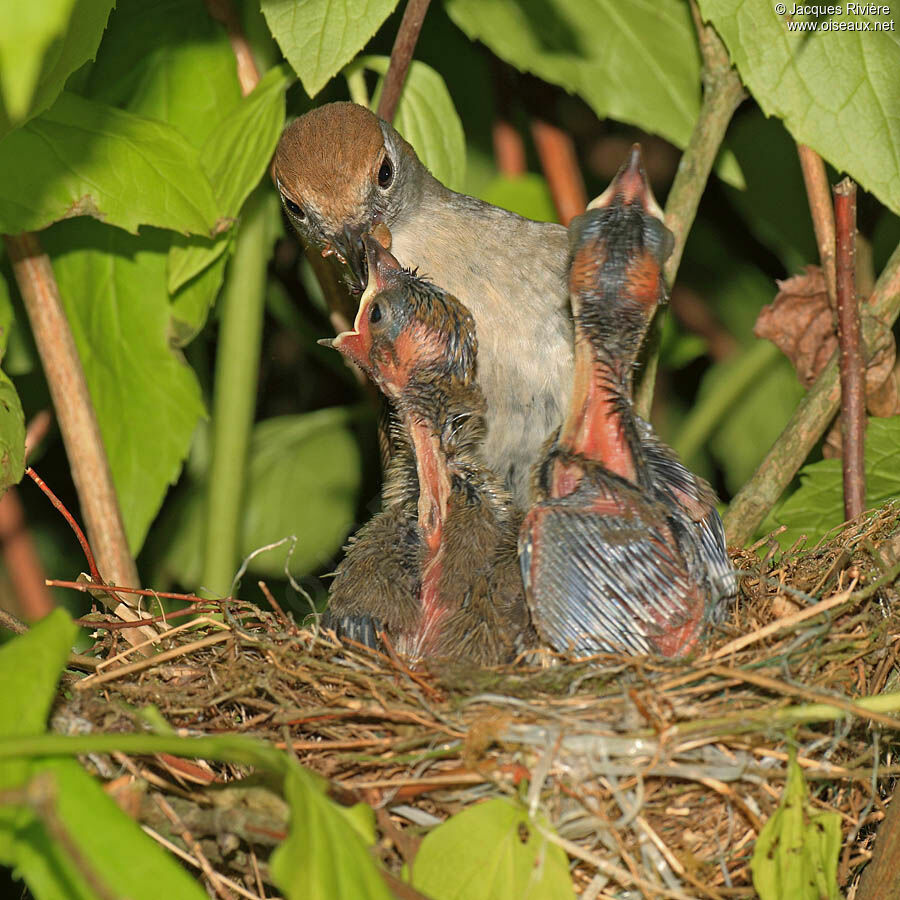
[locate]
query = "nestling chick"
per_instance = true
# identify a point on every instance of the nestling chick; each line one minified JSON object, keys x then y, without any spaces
{"x":342,"y":171}
{"x":437,"y":569}
{"x":624,"y":550}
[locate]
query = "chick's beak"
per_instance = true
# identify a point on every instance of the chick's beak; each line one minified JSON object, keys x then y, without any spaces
{"x":630,"y":187}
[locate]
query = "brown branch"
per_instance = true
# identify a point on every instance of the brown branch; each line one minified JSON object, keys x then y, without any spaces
{"x":852,"y":364}
{"x":881,"y":877}
{"x":819,"y":193}
{"x":401,"y":57}
{"x":74,"y":409}
{"x":556,"y":151}
{"x":808,"y":424}
{"x":722,"y":94}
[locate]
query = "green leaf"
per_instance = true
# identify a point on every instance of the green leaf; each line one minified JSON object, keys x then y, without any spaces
{"x":838,"y":93}
{"x":637,"y":62}
{"x":92,"y":824}
{"x":235,"y":158}
{"x":323,"y":856}
{"x":167,"y":60}
{"x":304,"y":480}
{"x":319,"y":37}
{"x":492,"y":851}
{"x":12,"y":435}
{"x":818,"y":504}
{"x":527,"y":195}
{"x":86,"y":158}
{"x":774,"y":203}
{"x":26,"y":31}
{"x":192,"y":302}
{"x":147,"y":399}
{"x":796,"y":853}
{"x":29,"y":669}
{"x":427,"y":118}
{"x":41,"y":45}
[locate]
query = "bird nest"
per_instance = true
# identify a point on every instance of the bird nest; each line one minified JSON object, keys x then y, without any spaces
{"x":656,"y":775}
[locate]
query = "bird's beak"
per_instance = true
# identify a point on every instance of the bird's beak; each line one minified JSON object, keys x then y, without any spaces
{"x":381,"y":265}
{"x":630,"y":187}
{"x":347,"y":248}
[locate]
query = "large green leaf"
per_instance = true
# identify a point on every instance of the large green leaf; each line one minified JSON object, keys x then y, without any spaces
{"x":147,"y":399}
{"x":796,"y":853}
{"x":837,"y":92}
{"x":818,"y":504}
{"x":167,"y":60}
{"x":319,"y":37}
{"x":323,"y":856}
{"x":29,"y":669}
{"x":110,"y":846}
{"x":26,"y":30}
{"x":234,"y":157}
{"x":12,"y":435}
{"x":492,"y":851}
{"x":304,"y":480}
{"x":41,"y":45}
{"x":85,"y":158}
{"x":636,"y":61}
{"x":427,"y":118}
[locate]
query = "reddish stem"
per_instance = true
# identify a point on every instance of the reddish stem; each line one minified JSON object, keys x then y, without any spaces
{"x":85,"y":546}
{"x":22,"y":561}
{"x":401,"y":57}
{"x":557,"y":154}
{"x":852,"y":363}
{"x":118,"y":589}
{"x":509,"y":149}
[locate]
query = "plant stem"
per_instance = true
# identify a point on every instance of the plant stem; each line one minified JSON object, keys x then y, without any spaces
{"x":852,"y":364}
{"x":356,"y":85}
{"x":224,"y":12}
{"x":401,"y":57}
{"x":881,"y":877}
{"x":725,"y":393}
{"x":820,"y":208}
{"x":234,"y":395}
{"x":75,"y":414}
{"x":754,"y":500}
{"x":509,"y":149}
{"x":560,"y":164}
{"x":722,"y":94}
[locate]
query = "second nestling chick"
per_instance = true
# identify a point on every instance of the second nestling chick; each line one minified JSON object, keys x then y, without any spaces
{"x":625,"y":549}
{"x":437,"y":569}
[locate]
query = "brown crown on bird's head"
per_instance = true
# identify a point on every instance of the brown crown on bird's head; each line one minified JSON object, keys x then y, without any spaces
{"x":339,"y":169}
{"x":407,"y":328}
{"x":617,"y":251}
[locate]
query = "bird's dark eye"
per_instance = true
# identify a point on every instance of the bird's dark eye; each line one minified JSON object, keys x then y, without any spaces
{"x":295,"y":209}
{"x":385,"y":173}
{"x":375,"y":313}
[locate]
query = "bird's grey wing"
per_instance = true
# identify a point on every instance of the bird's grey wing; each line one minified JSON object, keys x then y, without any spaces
{"x":600,"y":582}
{"x":681,"y":490}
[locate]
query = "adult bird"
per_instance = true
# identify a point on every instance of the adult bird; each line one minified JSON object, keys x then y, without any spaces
{"x":342,"y":172}
{"x":437,"y":570}
{"x":624,"y":549}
